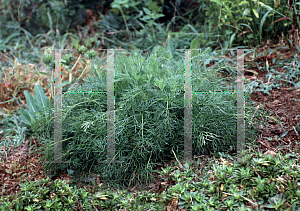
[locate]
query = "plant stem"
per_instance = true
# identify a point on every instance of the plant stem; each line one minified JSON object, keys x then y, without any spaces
{"x":125,"y":23}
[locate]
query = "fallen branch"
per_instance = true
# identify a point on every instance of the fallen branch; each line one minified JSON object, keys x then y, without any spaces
{"x":255,"y":112}
{"x":253,"y":203}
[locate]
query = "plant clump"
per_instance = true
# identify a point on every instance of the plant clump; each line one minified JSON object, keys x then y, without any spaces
{"x":149,"y":115}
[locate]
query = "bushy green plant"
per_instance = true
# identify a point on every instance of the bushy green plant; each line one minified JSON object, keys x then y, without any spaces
{"x":149,"y":95}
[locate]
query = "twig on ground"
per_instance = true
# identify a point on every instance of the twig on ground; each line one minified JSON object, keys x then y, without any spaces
{"x":255,"y":111}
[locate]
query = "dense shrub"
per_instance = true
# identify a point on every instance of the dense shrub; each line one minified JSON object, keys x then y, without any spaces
{"x":149,"y":115}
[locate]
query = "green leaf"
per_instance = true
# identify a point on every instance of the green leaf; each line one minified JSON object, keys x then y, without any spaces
{"x":115,"y":5}
{"x":44,"y":73}
{"x":246,"y":12}
{"x":243,"y":2}
{"x":170,"y":48}
{"x":27,"y":117}
{"x":32,"y":120}
{"x":50,"y":20}
{"x":217,"y":1}
{"x":228,"y":10}
{"x":24,"y":116}
{"x":41,"y":98}
{"x":262,"y":23}
{"x":255,"y":13}
{"x":156,"y":16}
{"x":195,"y":45}
{"x":269,"y":8}
{"x":83,"y":61}
{"x":30,"y":102}
{"x":145,"y":18}
{"x":148,"y":12}
{"x":231,"y":40}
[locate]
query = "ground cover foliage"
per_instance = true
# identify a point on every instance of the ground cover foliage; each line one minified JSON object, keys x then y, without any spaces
{"x":259,"y":181}
{"x":149,"y":115}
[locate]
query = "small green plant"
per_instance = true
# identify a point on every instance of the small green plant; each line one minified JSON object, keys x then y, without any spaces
{"x":38,"y":109}
{"x":12,"y":126}
{"x":277,"y":202}
{"x":119,"y":4}
{"x":150,"y":17}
